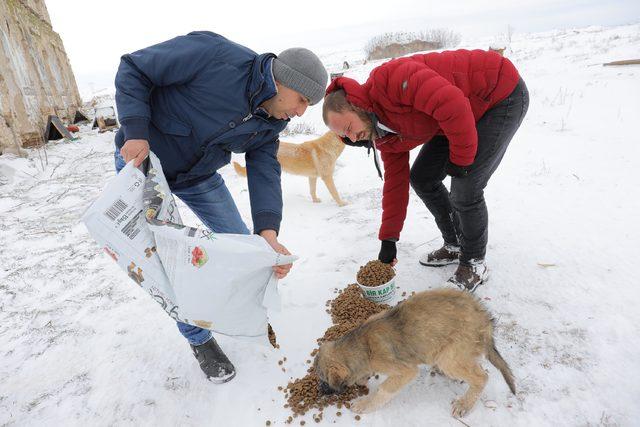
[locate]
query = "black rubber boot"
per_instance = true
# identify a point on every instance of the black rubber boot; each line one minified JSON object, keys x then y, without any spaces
{"x":213,"y":362}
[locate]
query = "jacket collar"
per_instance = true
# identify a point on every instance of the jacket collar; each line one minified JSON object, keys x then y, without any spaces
{"x":262,"y":84}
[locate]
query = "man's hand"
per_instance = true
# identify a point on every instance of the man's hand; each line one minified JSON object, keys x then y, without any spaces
{"x":272,"y":238}
{"x":135,"y":149}
{"x":388,"y":252}
{"x":456,"y":171}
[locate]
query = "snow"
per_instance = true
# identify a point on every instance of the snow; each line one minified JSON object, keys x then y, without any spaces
{"x":81,"y":346}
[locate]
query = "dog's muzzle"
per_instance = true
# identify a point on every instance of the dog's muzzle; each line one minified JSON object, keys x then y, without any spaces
{"x":362,"y":143}
{"x":324,"y":388}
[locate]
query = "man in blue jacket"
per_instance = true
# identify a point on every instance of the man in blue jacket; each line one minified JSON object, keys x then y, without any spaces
{"x":194,"y":100}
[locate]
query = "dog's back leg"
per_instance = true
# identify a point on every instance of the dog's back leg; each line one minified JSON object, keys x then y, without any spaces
{"x":387,"y":390}
{"x":465,"y":368}
{"x":312,"y":189}
{"x":331,"y":186}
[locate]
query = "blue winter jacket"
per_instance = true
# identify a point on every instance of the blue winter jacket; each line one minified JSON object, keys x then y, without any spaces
{"x":196,"y":99}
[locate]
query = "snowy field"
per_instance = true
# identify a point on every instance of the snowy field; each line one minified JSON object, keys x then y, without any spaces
{"x":81,"y":345}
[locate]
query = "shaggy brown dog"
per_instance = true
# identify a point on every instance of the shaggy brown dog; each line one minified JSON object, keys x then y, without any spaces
{"x":445,"y":328}
{"x":313,"y":159}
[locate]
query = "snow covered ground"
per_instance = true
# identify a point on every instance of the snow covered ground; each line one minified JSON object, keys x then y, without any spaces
{"x":79,"y":345}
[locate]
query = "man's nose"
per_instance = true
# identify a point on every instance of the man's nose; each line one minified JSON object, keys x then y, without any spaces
{"x":300,"y":110}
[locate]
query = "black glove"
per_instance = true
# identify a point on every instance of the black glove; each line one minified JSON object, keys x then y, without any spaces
{"x":456,"y":171}
{"x":387,"y":251}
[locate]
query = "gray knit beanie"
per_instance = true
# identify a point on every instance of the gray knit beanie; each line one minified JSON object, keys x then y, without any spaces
{"x":301,"y":70}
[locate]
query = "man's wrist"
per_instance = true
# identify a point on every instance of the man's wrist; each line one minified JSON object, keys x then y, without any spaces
{"x":269,"y":235}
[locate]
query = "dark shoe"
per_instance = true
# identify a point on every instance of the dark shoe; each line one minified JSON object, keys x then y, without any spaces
{"x":470,"y":275}
{"x":448,"y":254}
{"x":213,"y":362}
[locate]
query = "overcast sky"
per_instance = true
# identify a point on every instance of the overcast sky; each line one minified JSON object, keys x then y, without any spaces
{"x":96,"y":34}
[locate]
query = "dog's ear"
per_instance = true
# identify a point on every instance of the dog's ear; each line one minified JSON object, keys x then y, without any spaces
{"x":337,"y":375}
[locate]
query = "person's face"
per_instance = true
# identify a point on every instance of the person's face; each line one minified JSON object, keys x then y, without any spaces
{"x":349,"y":124}
{"x":286,"y":104}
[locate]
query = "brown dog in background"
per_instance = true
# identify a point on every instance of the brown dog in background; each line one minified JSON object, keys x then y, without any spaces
{"x":313,"y":159}
{"x":445,"y":328}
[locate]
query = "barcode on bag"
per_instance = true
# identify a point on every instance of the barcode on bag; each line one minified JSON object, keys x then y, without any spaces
{"x":116,"y":209}
{"x":132,"y":228}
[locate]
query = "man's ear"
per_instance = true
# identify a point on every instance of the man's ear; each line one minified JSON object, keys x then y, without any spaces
{"x":337,"y":375}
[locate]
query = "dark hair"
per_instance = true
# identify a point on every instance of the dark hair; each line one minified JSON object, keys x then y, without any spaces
{"x":336,"y":102}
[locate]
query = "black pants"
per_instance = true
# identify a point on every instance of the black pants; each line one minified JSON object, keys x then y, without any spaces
{"x":462,"y":214}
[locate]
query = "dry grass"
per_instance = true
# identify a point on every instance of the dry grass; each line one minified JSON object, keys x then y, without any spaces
{"x":400,"y":43}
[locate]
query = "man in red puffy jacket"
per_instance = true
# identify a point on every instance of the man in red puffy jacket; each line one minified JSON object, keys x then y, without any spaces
{"x":463,"y":107}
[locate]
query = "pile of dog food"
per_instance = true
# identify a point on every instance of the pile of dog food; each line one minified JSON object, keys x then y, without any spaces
{"x":375,"y":273}
{"x":302,"y":395}
{"x":348,"y":310}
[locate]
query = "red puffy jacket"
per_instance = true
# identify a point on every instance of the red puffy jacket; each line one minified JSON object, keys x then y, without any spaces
{"x":419,"y":97}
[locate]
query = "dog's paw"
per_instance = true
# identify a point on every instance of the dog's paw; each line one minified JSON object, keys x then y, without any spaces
{"x":316,"y":200}
{"x":460,"y":408}
{"x":362,"y":406}
{"x":342,"y":203}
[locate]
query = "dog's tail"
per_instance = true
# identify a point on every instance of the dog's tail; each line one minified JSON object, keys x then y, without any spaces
{"x":496,"y":360}
{"x":240,"y":170}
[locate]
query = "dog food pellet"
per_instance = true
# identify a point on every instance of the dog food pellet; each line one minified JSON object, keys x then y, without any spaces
{"x":339,"y":413}
{"x":280,"y":362}
{"x":375,"y":273}
{"x":268,"y":422}
{"x":302,"y":423}
{"x":357,"y":417}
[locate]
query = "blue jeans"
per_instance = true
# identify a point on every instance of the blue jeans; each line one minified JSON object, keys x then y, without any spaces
{"x":212,"y":203}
